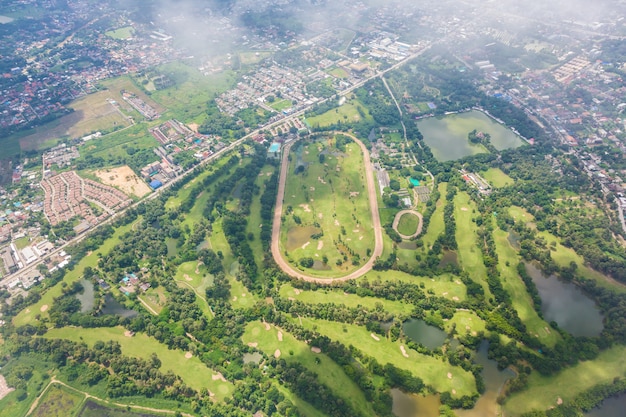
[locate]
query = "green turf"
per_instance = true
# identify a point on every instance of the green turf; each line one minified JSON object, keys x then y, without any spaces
{"x":514,"y":285}
{"x":396,"y":308}
{"x":281,"y":105}
{"x":121,"y":33}
{"x":28,"y":315}
{"x":469,"y":255}
{"x":433,"y":371}
{"x":436,"y":224}
{"x":466,"y":322}
{"x":408,"y":224}
{"x":293,"y":350}
{"x":545,"y":391}
{"x":193,"y":372}
{"x":58,"y":401}
{"x":330,"y":198}
{"x":497,"y":178}
{"x":348,"y":112}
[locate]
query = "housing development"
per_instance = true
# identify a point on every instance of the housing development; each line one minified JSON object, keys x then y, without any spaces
{"x":312,"y":208}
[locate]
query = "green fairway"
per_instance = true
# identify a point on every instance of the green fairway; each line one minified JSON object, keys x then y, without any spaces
{"x":497,"y":178}
{"x":408,"y":224}
{"x":466,"y":322}
{"x":326,"y":209}
{"x":443,"y":285}
{"x":254,"y":218}
{"x":193,"y":275}
{"x":470,"y":256}
{"x":58,"y":401}
{"x":436,"y":224}
{"x":349,"y":111}
{"x":291,"y":349}
{"x":396,"y":308}
{"x":545,"y":391}
{"x":193,"y":372}
{"x":513,"y":284}
{"x":39,"y":308}
{"x":433,"y":371}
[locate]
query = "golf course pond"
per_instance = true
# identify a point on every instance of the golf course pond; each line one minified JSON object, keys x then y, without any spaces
{"x":611,"y":407}
{"x":86,"y":298}
{"x":424,"y":334}
{"x":566,"y":304}
{"x":447,"y":135}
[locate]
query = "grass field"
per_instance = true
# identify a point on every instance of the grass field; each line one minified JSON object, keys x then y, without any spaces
{"x":514,"y":285}
{"x":545,"y":391}
{"x":328,"y":198}
{"x":121,"y":33}
{"x":338,"y":73}
{"x":433,"y":371}
{"x":443,"y":285}
{"x":396,"y":308}
{"x":497,"y":178}
{"x":347,"y":112}
{"x":193,"y":372}
{"x":436,"y":225}
{"x":155,"y":298}
{"x":280,"y":105}
{"x":466,"y":322}
{"x":469,"y":255}
{"x":28,"y":315}
{"x":187,"y":99}
{"x":408,"y":224}
{"x":58,"y":401}
{"x":250,"y":58}
{"x":293,"y":350}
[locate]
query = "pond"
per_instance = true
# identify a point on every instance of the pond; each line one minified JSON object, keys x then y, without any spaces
{"x":566,"y":304}
{"x":611,"y":407}
{"x":449,"y":258}
{"x":424,"y":334}
{"x":112,"y":306}
{"x":413,"y":405}
{"x":447,"y":135}
{"x":86,"y":299}
{"x":487,"y":405}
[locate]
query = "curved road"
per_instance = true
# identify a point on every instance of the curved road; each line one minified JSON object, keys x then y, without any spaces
{"x":278,"y":210}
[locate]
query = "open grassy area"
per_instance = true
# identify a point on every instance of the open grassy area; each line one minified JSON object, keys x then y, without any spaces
{"x":349,"y":111}
{"x":466,"y":322}
{"x":433,"y":371}
{"x":291,"y":349}
{"x":396,"y":308}
{"x":193,"y":372}
{"x":121,"y":33}
{"x":545,"y":391}
{"x":187,"y":99}
{"x":408,"y":224}
{"x":58,"y":401}
{"x":436,"y":224}
{"x":328,"y":198}
{"x":252,"y":57}
{"x":155,"y":298}
{"x":513,"y":284}
{"x":497,"y":178}
{"x":469,"y":255}
{"x":39,"y":308}
{"x":338,"y":73}
{"x":444,"y":285}
{"x":280,"y":105}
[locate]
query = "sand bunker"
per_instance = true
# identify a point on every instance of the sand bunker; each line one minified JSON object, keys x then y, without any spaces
{"x":337,"y":223}
{"x":128,"y":333}
{"x":320,"y":179}
{"x":125,"y":179}
{"x":403,"y":350}
{"x":449,"y":375}
{"x":320,"y":245}
{"x":43,"y":308}
{"x":463,"y":208}
{"x":4,"y":388}
{"x":311,"y":188}
{"x":305,"y":245}
{"x":320,"y":215}
{"x":297,"y":291}
{"x":188,"y":355}
{"x":218,"y":377}
{"x":280,"y":336}
{"x":316,"y":350}
{"x":305,"y":207}
{"x":455,"y":298}
{"x":354,"y":193}
{"x":187,"y":277}
{"x":253,"y":344}
{"x":277,"y":353}
{"x":267,"y":326}
{"x":235,"y":298}
{"x":559,"y":401}
{"x":376,"y":338}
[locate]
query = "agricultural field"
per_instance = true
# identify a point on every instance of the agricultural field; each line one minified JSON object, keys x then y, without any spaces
{"x":188,"y":367}
{"x":327,"y":219}
{"x":349,"y":111}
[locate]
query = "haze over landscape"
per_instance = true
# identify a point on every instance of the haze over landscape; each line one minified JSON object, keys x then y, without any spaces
{"x":312,"y":208}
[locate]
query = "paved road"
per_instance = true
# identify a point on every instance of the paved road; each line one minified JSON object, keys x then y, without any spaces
{"x":278,"y":210}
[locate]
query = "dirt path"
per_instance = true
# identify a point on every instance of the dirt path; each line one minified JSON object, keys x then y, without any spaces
{"x":87,"y":396}
{"x":372,"y":195}
{"x":396,"y":221}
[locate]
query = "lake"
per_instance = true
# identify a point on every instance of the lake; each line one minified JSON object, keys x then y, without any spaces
{"x":112,"y":306}
{"x":414,"y":405}
{"x":487,"y":405}
{"x":566,"y":304}
{"x":5,"y":19}
{"x":611,"y":407}
{"x":87,"y":297}
{"x":447,"y":136}
{"x":424,"y":334}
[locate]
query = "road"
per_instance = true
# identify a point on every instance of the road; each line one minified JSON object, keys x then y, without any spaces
{"x":278,"y":210}
{"x":77,"y":239}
